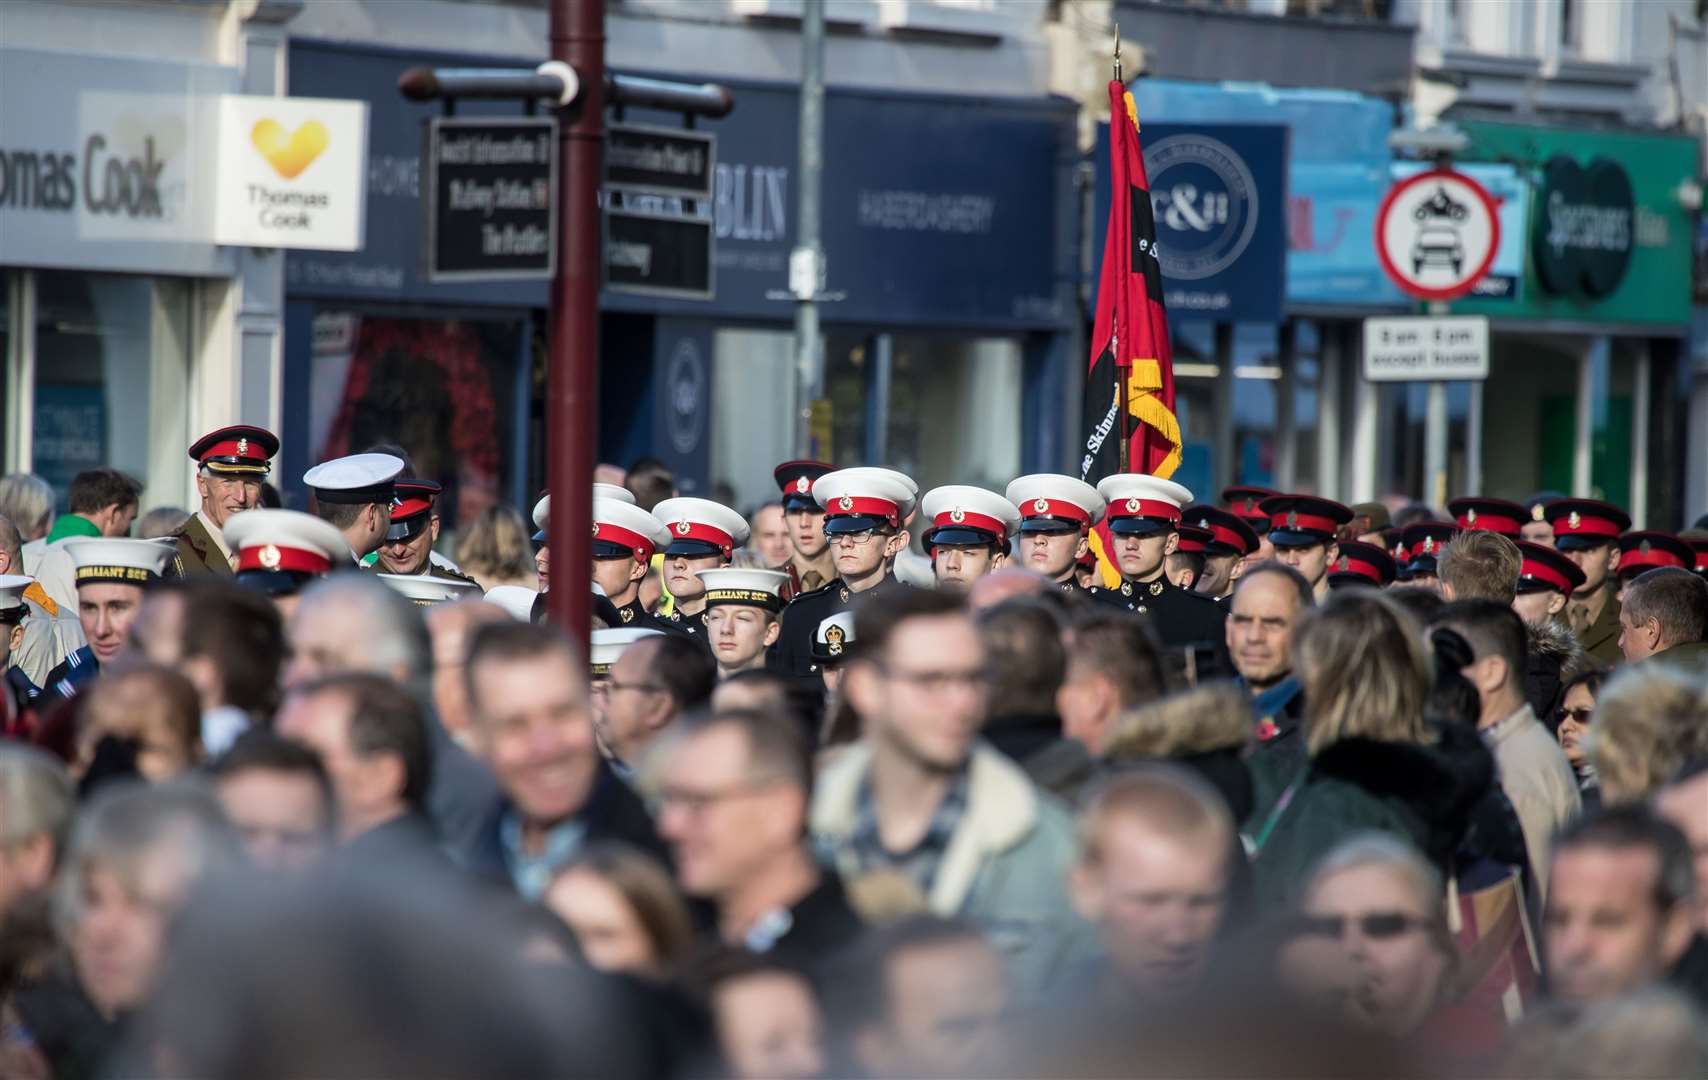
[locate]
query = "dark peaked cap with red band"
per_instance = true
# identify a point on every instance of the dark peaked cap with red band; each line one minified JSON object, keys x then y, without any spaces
{"x":1303,"y":520}
{"x":1423,"y":541}
{"x":1585,"y":523}
{"x":1193,"y":540}
{"x":412,"y":508}
{"x":795,"y":480}
{"x":1247,"y":502}
{"x":1544,"y":568}
{"x":1490,"y":515}
{"x":239,"y":450}
{"x":1229,"y":533}
{"x":1361,"y":564}
{"x":1649,"y":550}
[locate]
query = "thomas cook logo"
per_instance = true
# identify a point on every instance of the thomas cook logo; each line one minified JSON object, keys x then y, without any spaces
{"x":1204,"y":199}
{"x":290,"y":152}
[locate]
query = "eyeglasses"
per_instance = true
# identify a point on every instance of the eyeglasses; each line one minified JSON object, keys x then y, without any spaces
{"x":1377,"y":925}
{"x":1579,"y":715}
{"x":857,"y":539}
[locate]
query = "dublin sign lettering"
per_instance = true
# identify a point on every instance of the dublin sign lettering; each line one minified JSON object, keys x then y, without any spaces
{"x":1582,"y":234}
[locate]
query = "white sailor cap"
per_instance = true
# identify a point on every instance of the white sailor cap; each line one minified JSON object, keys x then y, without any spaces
{"x":755,"y":588}
{"x":701,"y":527}
{"x":604,"y":646}
{"x":516,"y":600}
{"x":622,"y":530}
{"x":613,"y":491}
{"x":855,"y":500}
{"x":1139,"y":504}
{"x":357,"y":479}
{"x":12,"y":606}
{"x":274,"y":539}
{"x":1053,"y":502}
{"x":964,"y":516}
{"x":118,"y":560}
{"x":427,"y":591}
{"x":834,"y":638}
{"x":543,"y":509}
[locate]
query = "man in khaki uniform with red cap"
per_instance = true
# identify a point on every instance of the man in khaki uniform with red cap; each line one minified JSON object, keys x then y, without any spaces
{"x":231,"y":465}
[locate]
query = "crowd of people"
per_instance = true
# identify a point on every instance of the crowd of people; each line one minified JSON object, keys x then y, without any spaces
{"x":1092,"y":780}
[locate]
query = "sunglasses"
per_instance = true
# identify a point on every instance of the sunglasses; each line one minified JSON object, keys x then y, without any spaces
{"x":1377,"y":926}
{"x":1578,"y":715}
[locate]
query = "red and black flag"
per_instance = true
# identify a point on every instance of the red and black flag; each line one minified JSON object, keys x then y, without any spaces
{"x":1130,"y":335}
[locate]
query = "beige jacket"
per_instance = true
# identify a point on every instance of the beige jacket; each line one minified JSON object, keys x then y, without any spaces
{"x":1538,"y":781}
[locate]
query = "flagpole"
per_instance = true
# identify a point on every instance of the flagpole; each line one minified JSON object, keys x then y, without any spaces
{"x":1124,"y":422}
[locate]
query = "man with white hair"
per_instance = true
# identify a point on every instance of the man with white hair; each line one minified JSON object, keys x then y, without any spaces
{"x":231,"y":465}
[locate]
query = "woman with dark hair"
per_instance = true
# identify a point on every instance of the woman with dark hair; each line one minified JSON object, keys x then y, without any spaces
{"x":1572,"y":717}
{"x":624,"y":911}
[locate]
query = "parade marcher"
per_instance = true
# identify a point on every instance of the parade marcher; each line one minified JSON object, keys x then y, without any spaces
{"x":1480,"y":564}
{"x":355,"y":494}
{"x":625,"y":538}
{"x":863,"y":514}
{"x":811,"y":564}
{"x":742,"y":609}
{"x":655,"y":681}
{"x":1536,"y":527}
{"x":1057,"y":513}
{"x":231,"y":465}
{"x":1361,"y":564}
{"x":1587,"y":532}
{"x":1303,"y":530}
{"x":414,"y":529}
{"x":1698,"y":541}
{"x":1472,"y":513}
{"x":1246,"y":503}
{"x":279,"y":552}
{"x":51,"y":632}
{"x":1142,"y":514}
{"x":972,"y":532}
{"x":1546,"y":579}
{"x":1664,"y":620}
{"x":1262,"y":614}
{"x":1227,"y":553}
{"x":277,"y":794}
{"x":1422,"y":542}
{"x":1369,"y":525}
{"x":703,"y":536}
{"x":111,"y":575}
{"x":1184,"y":566}
{"x":1640,"y":552}
{"x":12,"y":611}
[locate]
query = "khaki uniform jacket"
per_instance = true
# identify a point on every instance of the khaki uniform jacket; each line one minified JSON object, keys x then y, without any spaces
{"x":198,"y":553}
{"x":1601,"y":638}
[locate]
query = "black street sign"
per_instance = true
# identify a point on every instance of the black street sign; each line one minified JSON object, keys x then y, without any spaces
{"x":658,"y":254}
{"x":490,"y":194}
{"x":659,"y":161}
{"x":657,"y":203}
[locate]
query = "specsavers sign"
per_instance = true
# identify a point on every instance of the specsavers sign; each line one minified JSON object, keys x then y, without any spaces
{"x":291,"y":173}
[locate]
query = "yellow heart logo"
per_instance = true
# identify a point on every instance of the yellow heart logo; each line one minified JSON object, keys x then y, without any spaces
{"x":290,"y":154}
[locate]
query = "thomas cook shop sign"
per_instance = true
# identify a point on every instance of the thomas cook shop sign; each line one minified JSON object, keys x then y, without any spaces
{"x":291,"y":173}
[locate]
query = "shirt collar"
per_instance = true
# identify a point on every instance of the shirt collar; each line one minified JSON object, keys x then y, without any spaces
{"x":217,"y":533}
{"x":533,"y":872}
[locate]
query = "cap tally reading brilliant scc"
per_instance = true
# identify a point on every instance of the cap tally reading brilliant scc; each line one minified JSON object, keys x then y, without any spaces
{"x":795,"y":480}
{"x":1361,"y":564}
{"x":119,"y":561}
{"x":605,"y":646}
{"x":1303,"y":520}
{"x":411,"y":509}
{"x":1543,"y":569}
{"x":624,"y":531}
{"x":1490,"y":515}
{"x":1648,"y":550}
{"x":238,"y":450}
{"x":700,"y":527}
{"x":749,"y":587}
{"x":1585,"y":523}
{"x":1055,"y":503}
{"x":1229,"y":533}
{"x":964,"y":516}
{"x":1138,"y":504}
{"x":855,"y":500}
{"x":355,"y":480}
{"x":12,"y":606}
{"x":426,"y":591}
{"x":834,"y":638}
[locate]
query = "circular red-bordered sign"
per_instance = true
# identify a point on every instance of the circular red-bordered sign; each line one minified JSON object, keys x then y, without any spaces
{"x":1437,"y":234}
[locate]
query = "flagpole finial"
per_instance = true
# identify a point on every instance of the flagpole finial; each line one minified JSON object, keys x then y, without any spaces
{"x":1117,"y":51}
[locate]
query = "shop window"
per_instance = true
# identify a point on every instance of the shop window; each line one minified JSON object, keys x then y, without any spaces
{"x":442,"y":389}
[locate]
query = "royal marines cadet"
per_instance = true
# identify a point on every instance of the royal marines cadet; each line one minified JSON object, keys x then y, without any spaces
{"x":625,"y":538}
{"x":742,"y":610}
{"x":1361,"y":564}
{"x":1422,"y":542}
{"x":1645,"y":550}
{"x":18,"y":685}
{"x":832,"y":645}
{"x":1369,"y":525}
{"x":1142,"y":513}
{"x":1546,"y":581}
{"x":864,"y":510}
{"x":1587,"y":532}
{"x":703,"y":536}
{"x":1490,"y":515}
{"x":1247,"y":503}
{"x":1232,"y":542}
{"x":1304,"y":531}
{"x":414,"y":529}
{"x":279,"y":552}
{"x":423,"y":590}
{"x":971,"y":534}
{"x":811,"y":563}
{"x":112,"y":574}
{"x":1057,"y":513}
{"x":1185,"y":564}
{"x":355,"y":494}
{"x":232,"y":464}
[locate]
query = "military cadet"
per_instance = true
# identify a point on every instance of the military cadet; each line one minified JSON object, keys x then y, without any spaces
{"x":1646,"y":550}
{"x":1360,"y":563}
{"x":1143,"y":513}
{"x":424,"y":590}
{"x":279,"y":552}
{"x":863,"y":513}
{"x":12,"y":612}
{"x":1369,"y":521}
{"x":625,"y":538}
{"x":832,"y":644}
{"x":231,"y":465}
{"x":1587,"y":532}
{"x":355,"y":494}
{"x":1546,"y":581}
{"x":811,"y":563}
{"x":742,"y":610}
{"x":414,"y":529}
{"x":111,"y":575}
{"x":1185,"y":564}
{"x":1535,"y":527}
{"x":1232,"y":542}
{"x":971,"y":533}
{"x":1303,"y":530}
{"x":1422,"y":542}
{"x":1247,"y":503}
{"x":703,"y":536}
{"x":1057,"y":513}
{"x":1491,"y":515}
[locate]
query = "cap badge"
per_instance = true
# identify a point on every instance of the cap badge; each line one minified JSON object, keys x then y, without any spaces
{"x":845,"y":503}
{"x":1645,"y":547}
{"x":269,"y":557}
{"x":1251,"y":506}
{"x":1429,"y":543}
{"x":834,"y":637}
{"x":683,"y":528}
{"x":595,"y":532}
{"x":1345,"y":563}
{"x":803,"y":485}
{"x":1041,"y":506}
{"x":1536,"y":513}
{"x":1470,"y":517}
{"x":1292,"y":519}
{"x":242,"y":447}
{"x":1573,"y":520}
{"x":1132,"y":506}
{"x":957,"y":515}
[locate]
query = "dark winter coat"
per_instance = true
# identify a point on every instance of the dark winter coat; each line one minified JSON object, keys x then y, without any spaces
{"x":1555,"y":659}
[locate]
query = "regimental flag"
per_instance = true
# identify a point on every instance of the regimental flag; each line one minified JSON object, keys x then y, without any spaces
{"x":1129,"y":337}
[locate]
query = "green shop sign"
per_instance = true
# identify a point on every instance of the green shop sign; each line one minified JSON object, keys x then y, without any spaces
{"x":1608,"y":239}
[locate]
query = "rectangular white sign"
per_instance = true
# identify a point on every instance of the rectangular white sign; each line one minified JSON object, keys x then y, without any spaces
{"x":1429,"y":348}
{"x":292,"y":173}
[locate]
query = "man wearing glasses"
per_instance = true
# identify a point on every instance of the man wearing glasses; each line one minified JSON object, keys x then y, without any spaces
{"x":654,"y":682}
{"x":921,"y":800}
{"x":864,"y":511}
